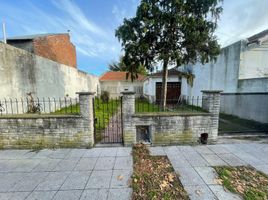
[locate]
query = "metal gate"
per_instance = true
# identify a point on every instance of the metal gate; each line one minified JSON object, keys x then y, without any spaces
{"x":108,"y":121}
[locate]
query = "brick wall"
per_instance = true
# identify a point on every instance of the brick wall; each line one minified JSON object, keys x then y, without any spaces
{"x":57,"y":48}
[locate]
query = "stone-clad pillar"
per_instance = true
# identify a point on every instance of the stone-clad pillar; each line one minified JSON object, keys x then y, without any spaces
{"x":211,"y":103}
{"x":128,"y":109}
{"x":86,"y":112}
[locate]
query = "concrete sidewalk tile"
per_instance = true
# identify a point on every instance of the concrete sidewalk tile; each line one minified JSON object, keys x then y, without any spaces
{"x":262,"y":168}
{"x":223,"y":194}
{"x":41,"y":195}
{"x":105,"y":163}
{"x":249,"y":159}
{"x":76,"y":180}
{"x":232,"y":160}
{"x":99,"y":179}
{"x":95,"y":194}
{"x":46,"y":165}
{"x":76,"y":153}
{"x":203,"y":150}
{"x":218,"y":149}
{"x":92,"y":153}
{"x":121,"y":179}
{"x":123,"y":163}
{"x":68,"y":195}
{"x":214,"y":160}
{"x":26,"y":165}
{"x":171,"y":150}
{"x":53,"y":181}
{"x":197,"y":160}
{"x":86,"y":164}
{"x":29,"y":182}
{"x":108,"y":152}
{"x":208,"y":174}
{"x":189,"y":176}
{"x":200,"y":192}
{"x":186,"y":149}
{"x":120,"y":194}
{"x":178,"y":161}
{"x":8,"y":180}
{"x":124,"y":151}
{"x":66,"y":164}
{"x":8,"y":165}
{"x":59,"y":153}
{"x":14,"y":196}
{"x":157,"y":151}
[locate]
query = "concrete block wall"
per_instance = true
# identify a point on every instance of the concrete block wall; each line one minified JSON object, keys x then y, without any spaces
{"x":172,"y":128}
{"x":50,"y":131}
{"x":22,"y":72}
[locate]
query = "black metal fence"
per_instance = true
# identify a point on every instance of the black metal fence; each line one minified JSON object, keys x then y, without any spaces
{"x":15,"y":106}
{"x":182,"y":104}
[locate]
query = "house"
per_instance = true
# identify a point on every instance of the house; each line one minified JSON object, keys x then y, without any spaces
{"x":56,"y":47}
{"x":241,"y":72}
{"x":153,"y":85}
{"x":116,"y":82}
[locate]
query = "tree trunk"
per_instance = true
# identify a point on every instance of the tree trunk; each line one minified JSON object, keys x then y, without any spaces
{"x":164,"y":85}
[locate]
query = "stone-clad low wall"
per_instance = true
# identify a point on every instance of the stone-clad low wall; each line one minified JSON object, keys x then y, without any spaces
{"x":172,"y":128}
{"x":49,"y":131}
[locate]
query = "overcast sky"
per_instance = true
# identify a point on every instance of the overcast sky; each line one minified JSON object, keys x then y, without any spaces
{"x":93,"y":22}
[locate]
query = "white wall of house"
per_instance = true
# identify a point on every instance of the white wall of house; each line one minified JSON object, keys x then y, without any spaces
{"x":116,"y":87}
{"x":254,"y":61}
{"x":150,"y":84}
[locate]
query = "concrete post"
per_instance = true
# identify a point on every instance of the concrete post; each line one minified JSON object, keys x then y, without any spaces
{"x":211,"y":103}
{"x":128,"y":109}
{"x":86,"y":112}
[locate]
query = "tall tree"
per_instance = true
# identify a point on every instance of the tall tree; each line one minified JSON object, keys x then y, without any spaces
{"x":171,"y":32}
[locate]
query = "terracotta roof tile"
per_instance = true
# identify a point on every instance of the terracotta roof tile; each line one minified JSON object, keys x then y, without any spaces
{"x":119,"y":76}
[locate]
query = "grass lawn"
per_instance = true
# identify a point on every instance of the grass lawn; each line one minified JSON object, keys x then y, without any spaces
{"x":146,"y":106}
{"x":245,"y":181}
{"x":154,"y":177}
{"x":103,"y":112}
{"x":230,"y":123}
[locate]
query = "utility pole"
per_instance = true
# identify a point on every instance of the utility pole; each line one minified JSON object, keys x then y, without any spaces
{"x":4,"y":32}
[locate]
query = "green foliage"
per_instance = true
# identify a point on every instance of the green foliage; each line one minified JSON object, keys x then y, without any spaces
{"x":105,"y":96}
{"x":121,"y":66}
{"x":170,"y":31}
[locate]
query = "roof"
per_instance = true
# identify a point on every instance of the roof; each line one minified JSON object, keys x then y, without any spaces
{"x":256,"y":37}
{"x":171,"y":72}
{"x":31,"y":37}
{"x":119,"y":76}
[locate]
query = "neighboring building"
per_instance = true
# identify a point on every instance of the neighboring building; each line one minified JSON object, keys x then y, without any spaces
{"x":22,"y":72}
{"x":56,"y":47}
{"x":241,"y":71}
{"x":116,"y":82}
{"x":153,"y":86}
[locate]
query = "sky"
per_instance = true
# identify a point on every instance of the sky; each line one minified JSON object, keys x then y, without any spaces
{"x":92,"y":24}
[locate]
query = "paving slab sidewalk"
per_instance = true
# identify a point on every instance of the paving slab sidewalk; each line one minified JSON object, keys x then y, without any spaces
{"x":99,"y":173}
{"x":194,"y":165}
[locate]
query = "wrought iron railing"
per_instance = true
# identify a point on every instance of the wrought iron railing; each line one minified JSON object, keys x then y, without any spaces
{"x":15,"y":106}
{"x":182,"y":104}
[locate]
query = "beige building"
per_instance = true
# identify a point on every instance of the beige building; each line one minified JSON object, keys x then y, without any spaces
{"x":116,"y":82}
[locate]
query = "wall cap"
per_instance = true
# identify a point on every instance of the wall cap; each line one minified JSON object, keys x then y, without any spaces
{"x":85,"y":93}
{"x":211,"y":91}
{"x":127,"y":92}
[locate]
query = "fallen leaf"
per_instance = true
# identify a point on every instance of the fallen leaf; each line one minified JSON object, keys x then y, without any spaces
{"x":198,"y":192}
{"x":120,"y":177}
